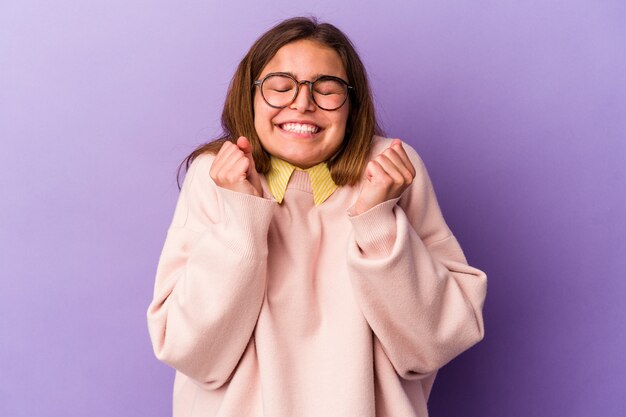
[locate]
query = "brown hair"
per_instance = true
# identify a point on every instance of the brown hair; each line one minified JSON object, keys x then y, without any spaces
{"x":238,"y":113}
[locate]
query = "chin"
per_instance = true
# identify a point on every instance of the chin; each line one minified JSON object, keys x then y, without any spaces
{"x":298,"y":161}
{"x":297,"y":155}
{"x":301,"y":152}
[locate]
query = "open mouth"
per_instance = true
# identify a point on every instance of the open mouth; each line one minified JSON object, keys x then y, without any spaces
{"x":300,"y":128}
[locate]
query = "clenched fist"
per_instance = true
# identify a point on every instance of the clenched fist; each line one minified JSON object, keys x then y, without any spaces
{"x":386,"y":177}
{"x":233,"y":168}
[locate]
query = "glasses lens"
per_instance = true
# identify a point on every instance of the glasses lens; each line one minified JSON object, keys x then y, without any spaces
{"x":329,"y":93}
{"x":279,"y":90}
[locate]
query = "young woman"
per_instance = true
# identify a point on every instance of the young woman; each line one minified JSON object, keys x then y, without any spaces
{"x":308,"y":270}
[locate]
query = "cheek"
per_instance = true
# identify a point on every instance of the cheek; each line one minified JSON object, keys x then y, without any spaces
{"x":263,"y":115}
{"x":342,"y":119}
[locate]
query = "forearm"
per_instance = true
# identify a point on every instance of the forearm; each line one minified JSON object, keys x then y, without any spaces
{"x":209,"y":290}
{"x":423,"y":303}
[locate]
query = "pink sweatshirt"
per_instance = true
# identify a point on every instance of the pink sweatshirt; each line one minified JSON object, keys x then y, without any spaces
{"x":297,"y":310}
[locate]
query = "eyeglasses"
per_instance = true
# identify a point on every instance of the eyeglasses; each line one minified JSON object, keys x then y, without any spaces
{"x":279,"y":90}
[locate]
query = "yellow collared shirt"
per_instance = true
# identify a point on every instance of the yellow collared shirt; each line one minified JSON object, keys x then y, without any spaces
{"x":280,"y":172}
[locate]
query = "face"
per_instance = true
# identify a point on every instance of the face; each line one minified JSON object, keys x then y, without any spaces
{"x":304,"y":59}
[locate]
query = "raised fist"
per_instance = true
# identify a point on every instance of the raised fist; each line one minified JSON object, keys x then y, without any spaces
{"x":233,"y":168}
{"x":386,"y":177}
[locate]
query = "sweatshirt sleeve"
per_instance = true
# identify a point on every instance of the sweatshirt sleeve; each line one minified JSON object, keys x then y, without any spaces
{"x":412,"y":281}
{"x":210,"y":278}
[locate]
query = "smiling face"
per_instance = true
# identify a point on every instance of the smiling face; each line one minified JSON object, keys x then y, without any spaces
{"x":278,"y":129}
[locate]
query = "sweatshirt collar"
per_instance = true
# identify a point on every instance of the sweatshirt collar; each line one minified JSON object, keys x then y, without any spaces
{"x":280,"y":172}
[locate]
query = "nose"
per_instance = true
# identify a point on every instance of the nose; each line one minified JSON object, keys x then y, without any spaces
{"x":303,"y":100}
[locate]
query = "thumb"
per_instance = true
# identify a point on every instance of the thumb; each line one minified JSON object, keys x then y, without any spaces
{"x":244,"y":144}
{"x":395,"y":142}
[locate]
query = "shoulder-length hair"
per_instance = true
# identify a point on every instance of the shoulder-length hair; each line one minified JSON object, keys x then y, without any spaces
{"x":347,"y":165}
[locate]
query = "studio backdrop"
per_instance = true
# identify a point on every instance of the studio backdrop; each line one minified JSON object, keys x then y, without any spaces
{"x":518,"y":109}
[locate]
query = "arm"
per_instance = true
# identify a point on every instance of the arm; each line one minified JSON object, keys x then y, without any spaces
{"x":412,"y":281}
{"x":210,"y":279}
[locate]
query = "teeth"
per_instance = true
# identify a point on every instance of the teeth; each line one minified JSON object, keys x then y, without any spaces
{"x":300,"y":128}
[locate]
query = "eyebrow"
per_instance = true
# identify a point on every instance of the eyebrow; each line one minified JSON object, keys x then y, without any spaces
{"x":314,"y":77}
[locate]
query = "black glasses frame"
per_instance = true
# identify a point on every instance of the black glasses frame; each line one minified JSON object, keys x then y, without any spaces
{"x":307,"y":82}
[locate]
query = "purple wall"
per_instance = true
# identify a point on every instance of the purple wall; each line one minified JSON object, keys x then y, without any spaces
{"x":517,"y":108}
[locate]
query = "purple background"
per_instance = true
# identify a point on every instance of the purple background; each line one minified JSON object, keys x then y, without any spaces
{"x":517,"y":108}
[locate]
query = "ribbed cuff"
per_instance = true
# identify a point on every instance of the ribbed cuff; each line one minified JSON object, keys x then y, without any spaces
{"x":375,"y":229}
{"x":246,"y":221}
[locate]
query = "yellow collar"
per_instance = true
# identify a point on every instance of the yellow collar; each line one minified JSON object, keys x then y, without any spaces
{"x":280,"y":172}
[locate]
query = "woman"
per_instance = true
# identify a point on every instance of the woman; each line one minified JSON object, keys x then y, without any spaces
{"x":308,"y":270}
